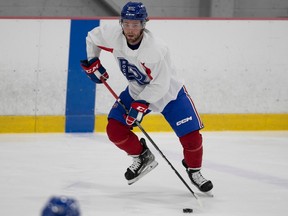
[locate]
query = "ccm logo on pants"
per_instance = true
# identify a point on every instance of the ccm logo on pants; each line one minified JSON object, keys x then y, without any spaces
{"x":184,"y":120}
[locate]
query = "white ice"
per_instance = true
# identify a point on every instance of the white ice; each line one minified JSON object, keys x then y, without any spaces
{"x":249,"y":171}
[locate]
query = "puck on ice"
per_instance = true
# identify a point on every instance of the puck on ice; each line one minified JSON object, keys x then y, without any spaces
{"x":187,"y":210}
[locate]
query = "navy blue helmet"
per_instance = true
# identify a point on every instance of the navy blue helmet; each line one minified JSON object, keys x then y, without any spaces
{"x":61,"y":206}
{"x":134,"y":11}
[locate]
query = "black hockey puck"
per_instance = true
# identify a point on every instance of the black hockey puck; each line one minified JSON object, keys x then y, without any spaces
{"x":187,"y":210}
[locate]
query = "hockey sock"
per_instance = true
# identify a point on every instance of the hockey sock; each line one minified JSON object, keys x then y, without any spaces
{"x":123,"y":137}
{"x":192,"y":149}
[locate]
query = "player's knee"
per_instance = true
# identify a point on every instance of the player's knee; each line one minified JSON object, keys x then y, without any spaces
{"x":116,"y":131}
{"x":192,"y":141}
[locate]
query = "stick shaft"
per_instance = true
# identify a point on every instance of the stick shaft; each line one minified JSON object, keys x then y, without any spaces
{"x":149,"y":138}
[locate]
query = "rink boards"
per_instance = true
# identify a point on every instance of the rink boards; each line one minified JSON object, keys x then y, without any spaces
{"x":235,"y":70}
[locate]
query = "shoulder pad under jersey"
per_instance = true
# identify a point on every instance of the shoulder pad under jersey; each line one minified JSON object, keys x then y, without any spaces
{"x":153,"y":49}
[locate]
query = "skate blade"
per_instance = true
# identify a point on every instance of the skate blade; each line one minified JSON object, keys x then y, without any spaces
{"x":149,"y":168}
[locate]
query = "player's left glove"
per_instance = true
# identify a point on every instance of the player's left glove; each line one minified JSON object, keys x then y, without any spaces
{"x":136,"y":111}
{"x":94,"y":70}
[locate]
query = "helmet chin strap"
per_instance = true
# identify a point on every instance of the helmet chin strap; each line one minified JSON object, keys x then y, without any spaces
{"x":142,"y":32}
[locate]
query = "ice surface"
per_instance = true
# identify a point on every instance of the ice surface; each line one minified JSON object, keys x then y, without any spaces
{"x":249,"y":171}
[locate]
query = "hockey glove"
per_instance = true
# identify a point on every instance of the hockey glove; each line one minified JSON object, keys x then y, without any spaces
{"x":94,"y":70}
{"x":137,"y":109}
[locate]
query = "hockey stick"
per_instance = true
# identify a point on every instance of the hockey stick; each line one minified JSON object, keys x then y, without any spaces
{"x":150,"y":139}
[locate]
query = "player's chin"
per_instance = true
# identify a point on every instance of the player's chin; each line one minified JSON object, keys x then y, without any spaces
{"x":131,"y":40}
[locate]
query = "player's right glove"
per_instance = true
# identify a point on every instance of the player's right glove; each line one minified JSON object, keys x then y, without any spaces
{"x":136,"y":111}
{"x":94,"y":70}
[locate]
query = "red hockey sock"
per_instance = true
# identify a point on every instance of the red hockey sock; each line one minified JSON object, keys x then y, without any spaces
{"x":192,"y":149}
{"x":123,"y":137}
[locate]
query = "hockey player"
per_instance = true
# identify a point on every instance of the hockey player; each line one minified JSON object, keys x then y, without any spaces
{"x":153,"y":84}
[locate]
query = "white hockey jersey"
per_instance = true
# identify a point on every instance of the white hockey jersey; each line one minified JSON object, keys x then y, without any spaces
{"x":148,"y":69}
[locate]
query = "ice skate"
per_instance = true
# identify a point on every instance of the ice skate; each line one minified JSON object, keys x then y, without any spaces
{"x":197,"y":179}
{"x":142,"y":164}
